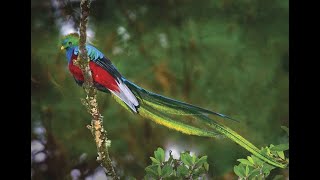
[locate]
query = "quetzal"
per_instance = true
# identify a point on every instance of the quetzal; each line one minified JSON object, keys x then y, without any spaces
{"x":177,"y":115}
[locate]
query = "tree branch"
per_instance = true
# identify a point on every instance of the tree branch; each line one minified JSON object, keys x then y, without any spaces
{"x":96,"y":127}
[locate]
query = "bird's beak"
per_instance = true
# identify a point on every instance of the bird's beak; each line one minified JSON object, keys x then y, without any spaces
{"x":62,"y":48}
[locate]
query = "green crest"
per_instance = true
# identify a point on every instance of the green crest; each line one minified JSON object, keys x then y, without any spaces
{"x":70,"y":40}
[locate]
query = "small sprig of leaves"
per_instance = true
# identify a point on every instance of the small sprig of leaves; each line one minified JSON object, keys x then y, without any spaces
{"x":254,"y":168}
{"x":186,"y":167}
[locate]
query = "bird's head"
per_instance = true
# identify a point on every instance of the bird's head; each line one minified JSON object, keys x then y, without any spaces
{"x":70,"y":41}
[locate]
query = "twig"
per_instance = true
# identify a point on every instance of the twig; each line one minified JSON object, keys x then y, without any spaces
{"x":96,"y":127}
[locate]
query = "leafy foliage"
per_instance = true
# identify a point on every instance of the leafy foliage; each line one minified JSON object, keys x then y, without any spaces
{"x":254,"y":168}
{"x":186,"y":167}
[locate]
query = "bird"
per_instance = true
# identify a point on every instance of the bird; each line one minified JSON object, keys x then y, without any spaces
{"x":173,"y":114}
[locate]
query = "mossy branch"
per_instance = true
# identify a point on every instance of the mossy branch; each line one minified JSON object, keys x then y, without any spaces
{"x":96,"y":127}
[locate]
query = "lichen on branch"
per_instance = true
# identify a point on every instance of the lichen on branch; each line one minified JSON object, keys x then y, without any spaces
{"x":96,"y":127}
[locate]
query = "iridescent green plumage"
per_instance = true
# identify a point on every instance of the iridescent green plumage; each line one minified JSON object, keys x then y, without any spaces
{"x":70,"y":40}
{"x":174,"y":115}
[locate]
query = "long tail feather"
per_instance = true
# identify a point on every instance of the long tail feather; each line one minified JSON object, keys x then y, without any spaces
{"x":174,"y":114}
{"x":171,"y":103}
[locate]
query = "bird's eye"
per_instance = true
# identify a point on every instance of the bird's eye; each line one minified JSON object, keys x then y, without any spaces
{"x":70,"y":43}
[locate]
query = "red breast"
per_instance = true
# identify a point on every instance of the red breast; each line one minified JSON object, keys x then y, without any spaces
{"x":99,"y":74}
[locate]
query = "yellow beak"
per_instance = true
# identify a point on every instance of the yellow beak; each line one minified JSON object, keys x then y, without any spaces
{"x":62,"y":48}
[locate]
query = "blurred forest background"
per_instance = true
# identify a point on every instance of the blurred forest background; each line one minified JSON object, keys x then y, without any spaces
{"x":230,"y":56}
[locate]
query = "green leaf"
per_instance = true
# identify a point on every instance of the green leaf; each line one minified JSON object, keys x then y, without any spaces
{"x":265,"y":151}
{"x":281,"y":154}
{"x":166,"y":171}
{"x":271,"y":145}
{"x":159,"y":170}
{"x":247,"y":170}
{"x":280,"y":147}
{"x":194,"y":158}
{"x":266,"y":169}
{"x":200,"y":161}
{"x":186,"y":159}
{"x":154,"y":160}
{"x":239,"y":170}
{"x":152,"y":170}
{"x":254,"y":173}
{"x":245,"y":162}
{"x":174,"y":173}
{"x":182,"y":170}
{"x":285,"y":129}
{"x":200,"y":172}
{"x":159,"y":155}
{"x":250,"y":159}
{"x":270,"y":167}
{"x":268,"y":151}
{"x":197,"y":172}
{"x":257,"y":161}
{"x":206,"y":166}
